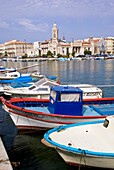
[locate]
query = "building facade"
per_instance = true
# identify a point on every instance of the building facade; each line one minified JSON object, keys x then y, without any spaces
{"x":109,"y":45}
{"x":16,"y":48}
{"x":75,"y":48}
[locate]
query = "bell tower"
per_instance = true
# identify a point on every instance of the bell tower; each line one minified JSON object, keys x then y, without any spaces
{"x":55,"y":32}
{"x":54,"y":41}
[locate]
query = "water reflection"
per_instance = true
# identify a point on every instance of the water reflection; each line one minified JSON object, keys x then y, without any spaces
{"x":31,"y":154}
{"x":8,"y":130}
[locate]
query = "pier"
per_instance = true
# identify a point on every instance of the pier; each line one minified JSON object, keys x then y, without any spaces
{"x":4,"y":160}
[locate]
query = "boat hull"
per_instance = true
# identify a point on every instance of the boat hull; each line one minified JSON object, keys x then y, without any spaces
{"x":86,"y":160}
{"x":85,"y":143}
{"x":27,"y":118}
{"x":31,"y":120}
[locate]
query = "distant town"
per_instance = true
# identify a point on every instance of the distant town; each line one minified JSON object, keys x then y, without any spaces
{"x":56,"y":47}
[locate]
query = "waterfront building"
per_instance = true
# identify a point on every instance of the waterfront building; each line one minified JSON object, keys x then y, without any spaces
{"x":109,"y":45}
{"x":16,"y":48}
{"x":69,"y":49}
{"x":58,"y":47}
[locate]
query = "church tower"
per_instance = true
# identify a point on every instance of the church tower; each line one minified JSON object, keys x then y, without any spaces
{"x":54,"y":48}
{"x":55,"y":32}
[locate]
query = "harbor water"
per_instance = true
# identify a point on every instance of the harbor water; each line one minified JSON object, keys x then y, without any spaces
{"x":28,"y":153}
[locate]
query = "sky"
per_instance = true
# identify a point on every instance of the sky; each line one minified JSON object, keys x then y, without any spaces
{"x":32,"y":20}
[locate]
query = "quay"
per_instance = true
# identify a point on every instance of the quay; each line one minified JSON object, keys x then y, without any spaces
{"x":4,"y":159}
{"x":8,"y":132}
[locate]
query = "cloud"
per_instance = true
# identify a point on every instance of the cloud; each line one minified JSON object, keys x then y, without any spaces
{"x":30,"y":26}
{"x":70,"y":7}
{"x":4,"y":24}
{"x":55,"y":8}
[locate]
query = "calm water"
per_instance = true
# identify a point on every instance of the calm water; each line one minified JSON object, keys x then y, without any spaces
{"x":28,"y":150}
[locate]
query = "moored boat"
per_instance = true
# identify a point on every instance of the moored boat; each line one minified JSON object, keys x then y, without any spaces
{"x":41,"y":89}
{"x":84,"y":144}
{"x":65,"y":106}
{"x":5,"y":69}
{"x":8,"y":77}
{"x":37,"y":75}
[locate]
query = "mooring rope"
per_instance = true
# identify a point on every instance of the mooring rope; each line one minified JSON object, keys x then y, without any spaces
{"x":83,"y":155}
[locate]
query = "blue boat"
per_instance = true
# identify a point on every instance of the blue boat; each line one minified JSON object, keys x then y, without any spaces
{"x":65,"y":106}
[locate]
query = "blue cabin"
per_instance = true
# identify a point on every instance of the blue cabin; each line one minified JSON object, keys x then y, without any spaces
{"x":66,"y":100}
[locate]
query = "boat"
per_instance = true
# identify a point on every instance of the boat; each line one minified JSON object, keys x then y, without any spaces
{"x":37,"y":75}
{"x":41,"y":89}
{"x":89,"y":91}
{"x":8,"y":77}
{"x":6,"y":69}
{"x":88,"y":144}
{"x":65,"y":106}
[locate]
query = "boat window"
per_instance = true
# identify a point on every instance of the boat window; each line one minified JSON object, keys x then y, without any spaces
{"x":43,"y":89}
{"x":106,"y":123}
{"x":53,"y":94}
{"x":31,"y":88}
{"x":14,"y":75}
{"x":70,"y":97}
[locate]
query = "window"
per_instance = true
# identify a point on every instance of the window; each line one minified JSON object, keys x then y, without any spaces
{"x":53,"y":94}
{"x":33,"y":87}
{"x":70,"y":97}
{"x":43,"y":89}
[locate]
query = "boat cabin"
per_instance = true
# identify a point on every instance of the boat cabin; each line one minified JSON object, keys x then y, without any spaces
{"x":66,"y":100}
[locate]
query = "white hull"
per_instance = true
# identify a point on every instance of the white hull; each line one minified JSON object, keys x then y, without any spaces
{"x":86,"y":160}
{"x":41,"y":95}
{"x":42,"y":88}
{"x":38,"y":96}
{"x":27,"y":123}
{"x":84,"y":144}
{"x":43,"y":122}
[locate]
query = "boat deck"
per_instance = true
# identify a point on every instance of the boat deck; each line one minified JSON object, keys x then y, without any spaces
{"x":92,"y":110}
{"x":90,"y":138}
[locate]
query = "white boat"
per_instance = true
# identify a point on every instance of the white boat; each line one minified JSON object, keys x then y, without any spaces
{"x":9,"y":75}
{"x":84,"y":144}
{"x":37,"y":75}
{"x":12,"y":75}
{"x":41,"y":89}
{"x":5,"y":69}
{"x":89,"y":91}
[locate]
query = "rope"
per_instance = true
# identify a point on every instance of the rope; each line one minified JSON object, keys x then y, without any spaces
{"x":83,"y":155}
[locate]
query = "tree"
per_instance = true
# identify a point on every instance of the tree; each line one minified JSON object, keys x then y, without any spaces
{"x":49,"y":54}
{"x":73,"y":53}
{"x":87,"y":52}
{"x":6,"y":54}
{"x":25,"y":56}
{"x":59,"y":55}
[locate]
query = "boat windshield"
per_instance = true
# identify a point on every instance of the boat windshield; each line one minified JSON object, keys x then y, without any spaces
{"x":70,"y":97}
{"x":43,"y":89}
{"x":31,"y":88}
